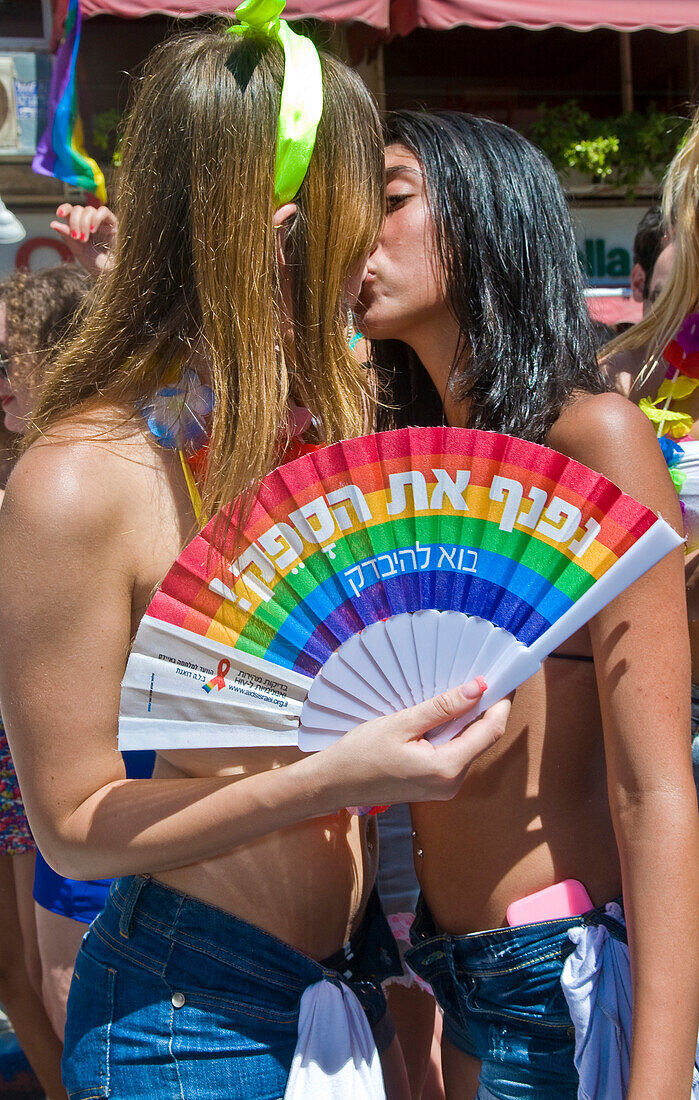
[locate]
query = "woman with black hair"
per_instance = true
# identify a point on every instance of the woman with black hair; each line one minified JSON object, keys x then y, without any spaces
{"x":474,"y":301}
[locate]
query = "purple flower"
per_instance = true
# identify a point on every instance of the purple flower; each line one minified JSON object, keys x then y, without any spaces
{"x":688,"y":336}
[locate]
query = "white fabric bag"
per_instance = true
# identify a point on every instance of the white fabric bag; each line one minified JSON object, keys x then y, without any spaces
{"x":596,"y":981}
{"x":336,"y":1056}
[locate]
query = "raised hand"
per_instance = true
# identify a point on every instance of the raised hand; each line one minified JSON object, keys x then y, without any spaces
{"x":89,"y":233}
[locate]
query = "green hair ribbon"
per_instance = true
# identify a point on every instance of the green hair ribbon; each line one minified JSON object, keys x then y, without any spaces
{"x":302,"y":92}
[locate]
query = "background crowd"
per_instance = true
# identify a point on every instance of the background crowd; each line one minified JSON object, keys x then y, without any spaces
{"x":463,"y":277}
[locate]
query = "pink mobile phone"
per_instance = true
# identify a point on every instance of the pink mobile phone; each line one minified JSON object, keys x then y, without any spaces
{"x":564,"y":899}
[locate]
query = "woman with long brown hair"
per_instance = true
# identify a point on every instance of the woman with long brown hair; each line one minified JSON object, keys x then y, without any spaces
{"x":244,"y":881}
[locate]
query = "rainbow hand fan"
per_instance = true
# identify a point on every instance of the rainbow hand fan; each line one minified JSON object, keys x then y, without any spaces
{"x":371,"y":575}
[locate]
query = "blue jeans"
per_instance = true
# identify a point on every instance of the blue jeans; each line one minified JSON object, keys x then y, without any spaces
{"x":174,"y":999}
{"x":503,"y":1003}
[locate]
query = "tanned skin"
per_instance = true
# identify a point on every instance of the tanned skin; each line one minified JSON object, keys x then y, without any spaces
{"x":593,"y":779}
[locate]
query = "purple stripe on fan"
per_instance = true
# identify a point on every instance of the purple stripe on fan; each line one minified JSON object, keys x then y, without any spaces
{"x":479,"y":597}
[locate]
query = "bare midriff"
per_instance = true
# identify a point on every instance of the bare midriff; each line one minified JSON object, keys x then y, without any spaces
{"x":307,"y":884}
{"x":532,"y":811}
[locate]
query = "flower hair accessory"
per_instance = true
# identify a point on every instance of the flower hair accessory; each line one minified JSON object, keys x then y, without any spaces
{"x":178,"y":414}
{"x":302,"y":92}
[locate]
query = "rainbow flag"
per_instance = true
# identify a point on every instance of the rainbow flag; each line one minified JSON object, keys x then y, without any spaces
{"x":60,"y":151}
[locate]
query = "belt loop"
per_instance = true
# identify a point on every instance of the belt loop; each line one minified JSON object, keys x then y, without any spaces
{"x":615,"y":928}
{"x":132,"y":896}
{"x":448,"y":948}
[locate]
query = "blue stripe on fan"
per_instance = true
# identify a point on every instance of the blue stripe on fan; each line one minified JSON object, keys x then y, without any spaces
{"x":511,"y":596}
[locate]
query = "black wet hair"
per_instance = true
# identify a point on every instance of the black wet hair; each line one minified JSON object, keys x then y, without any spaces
{"x":514,"y":283}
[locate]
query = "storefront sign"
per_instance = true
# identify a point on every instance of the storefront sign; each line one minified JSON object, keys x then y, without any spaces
{"x":604,"y":235}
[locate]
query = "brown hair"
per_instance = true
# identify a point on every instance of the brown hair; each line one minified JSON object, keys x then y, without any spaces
{"x":39,"y":308}
{"x":680,"y":294}
{"x":195,"y":267}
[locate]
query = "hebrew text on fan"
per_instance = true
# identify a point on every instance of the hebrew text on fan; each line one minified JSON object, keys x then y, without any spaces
{"x":323,"y":521}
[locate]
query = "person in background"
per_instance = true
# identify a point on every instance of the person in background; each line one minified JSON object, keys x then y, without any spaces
{"x":668,"y":394}
{"x":653,"y":252}
{"x":410,"y":999}
{"x":475,"y":306}
{"x":646,"y":249}
{"x":90,"y":234}
{"x":38,"y":310}
{"x":35,"y":310}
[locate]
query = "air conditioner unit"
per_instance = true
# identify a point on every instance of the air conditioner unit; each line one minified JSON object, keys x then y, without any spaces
{"x":24,"y":90}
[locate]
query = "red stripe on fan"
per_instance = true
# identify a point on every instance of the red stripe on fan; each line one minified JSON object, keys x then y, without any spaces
{"x":187,"y":584}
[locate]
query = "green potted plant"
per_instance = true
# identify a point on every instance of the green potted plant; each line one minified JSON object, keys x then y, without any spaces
{"x":628,"y":152}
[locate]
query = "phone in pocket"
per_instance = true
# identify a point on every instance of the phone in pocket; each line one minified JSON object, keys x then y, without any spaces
{"x":564,"y":899}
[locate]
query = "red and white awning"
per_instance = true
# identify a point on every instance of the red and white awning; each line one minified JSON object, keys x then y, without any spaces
{"x":373,"y":12}
{"x":404,"y":15}
{"x":537,"y":15}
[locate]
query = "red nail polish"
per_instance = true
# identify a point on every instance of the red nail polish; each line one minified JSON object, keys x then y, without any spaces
{"x":481,"y":683}
{"x":74,"y":234}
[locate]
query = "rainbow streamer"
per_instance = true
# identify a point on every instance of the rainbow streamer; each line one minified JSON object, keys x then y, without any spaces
{"x":60,"y":151}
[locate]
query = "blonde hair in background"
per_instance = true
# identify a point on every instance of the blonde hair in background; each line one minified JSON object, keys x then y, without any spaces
{"x":195,"y":267}
{"x":680,"y":295}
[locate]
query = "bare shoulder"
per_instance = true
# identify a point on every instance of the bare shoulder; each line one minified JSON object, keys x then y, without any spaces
{"x":593,"y":419}
{"x":90,"y":496}
{"x":610,"y":434}
{"x":81,"y":478}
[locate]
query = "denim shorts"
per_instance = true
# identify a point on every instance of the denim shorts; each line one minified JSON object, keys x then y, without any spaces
{"x":503,"y":1002}
{"x":175,"y":999}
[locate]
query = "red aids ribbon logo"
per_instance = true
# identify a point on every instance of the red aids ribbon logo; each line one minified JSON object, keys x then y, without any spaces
{"x":224,"y":666}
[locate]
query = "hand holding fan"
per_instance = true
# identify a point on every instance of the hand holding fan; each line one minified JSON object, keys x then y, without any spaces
{"x":374,"y":574}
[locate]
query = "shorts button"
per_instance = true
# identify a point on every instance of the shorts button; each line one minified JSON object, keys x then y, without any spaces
{"x":570,"y":1031}
{"x":177,"y":1000}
